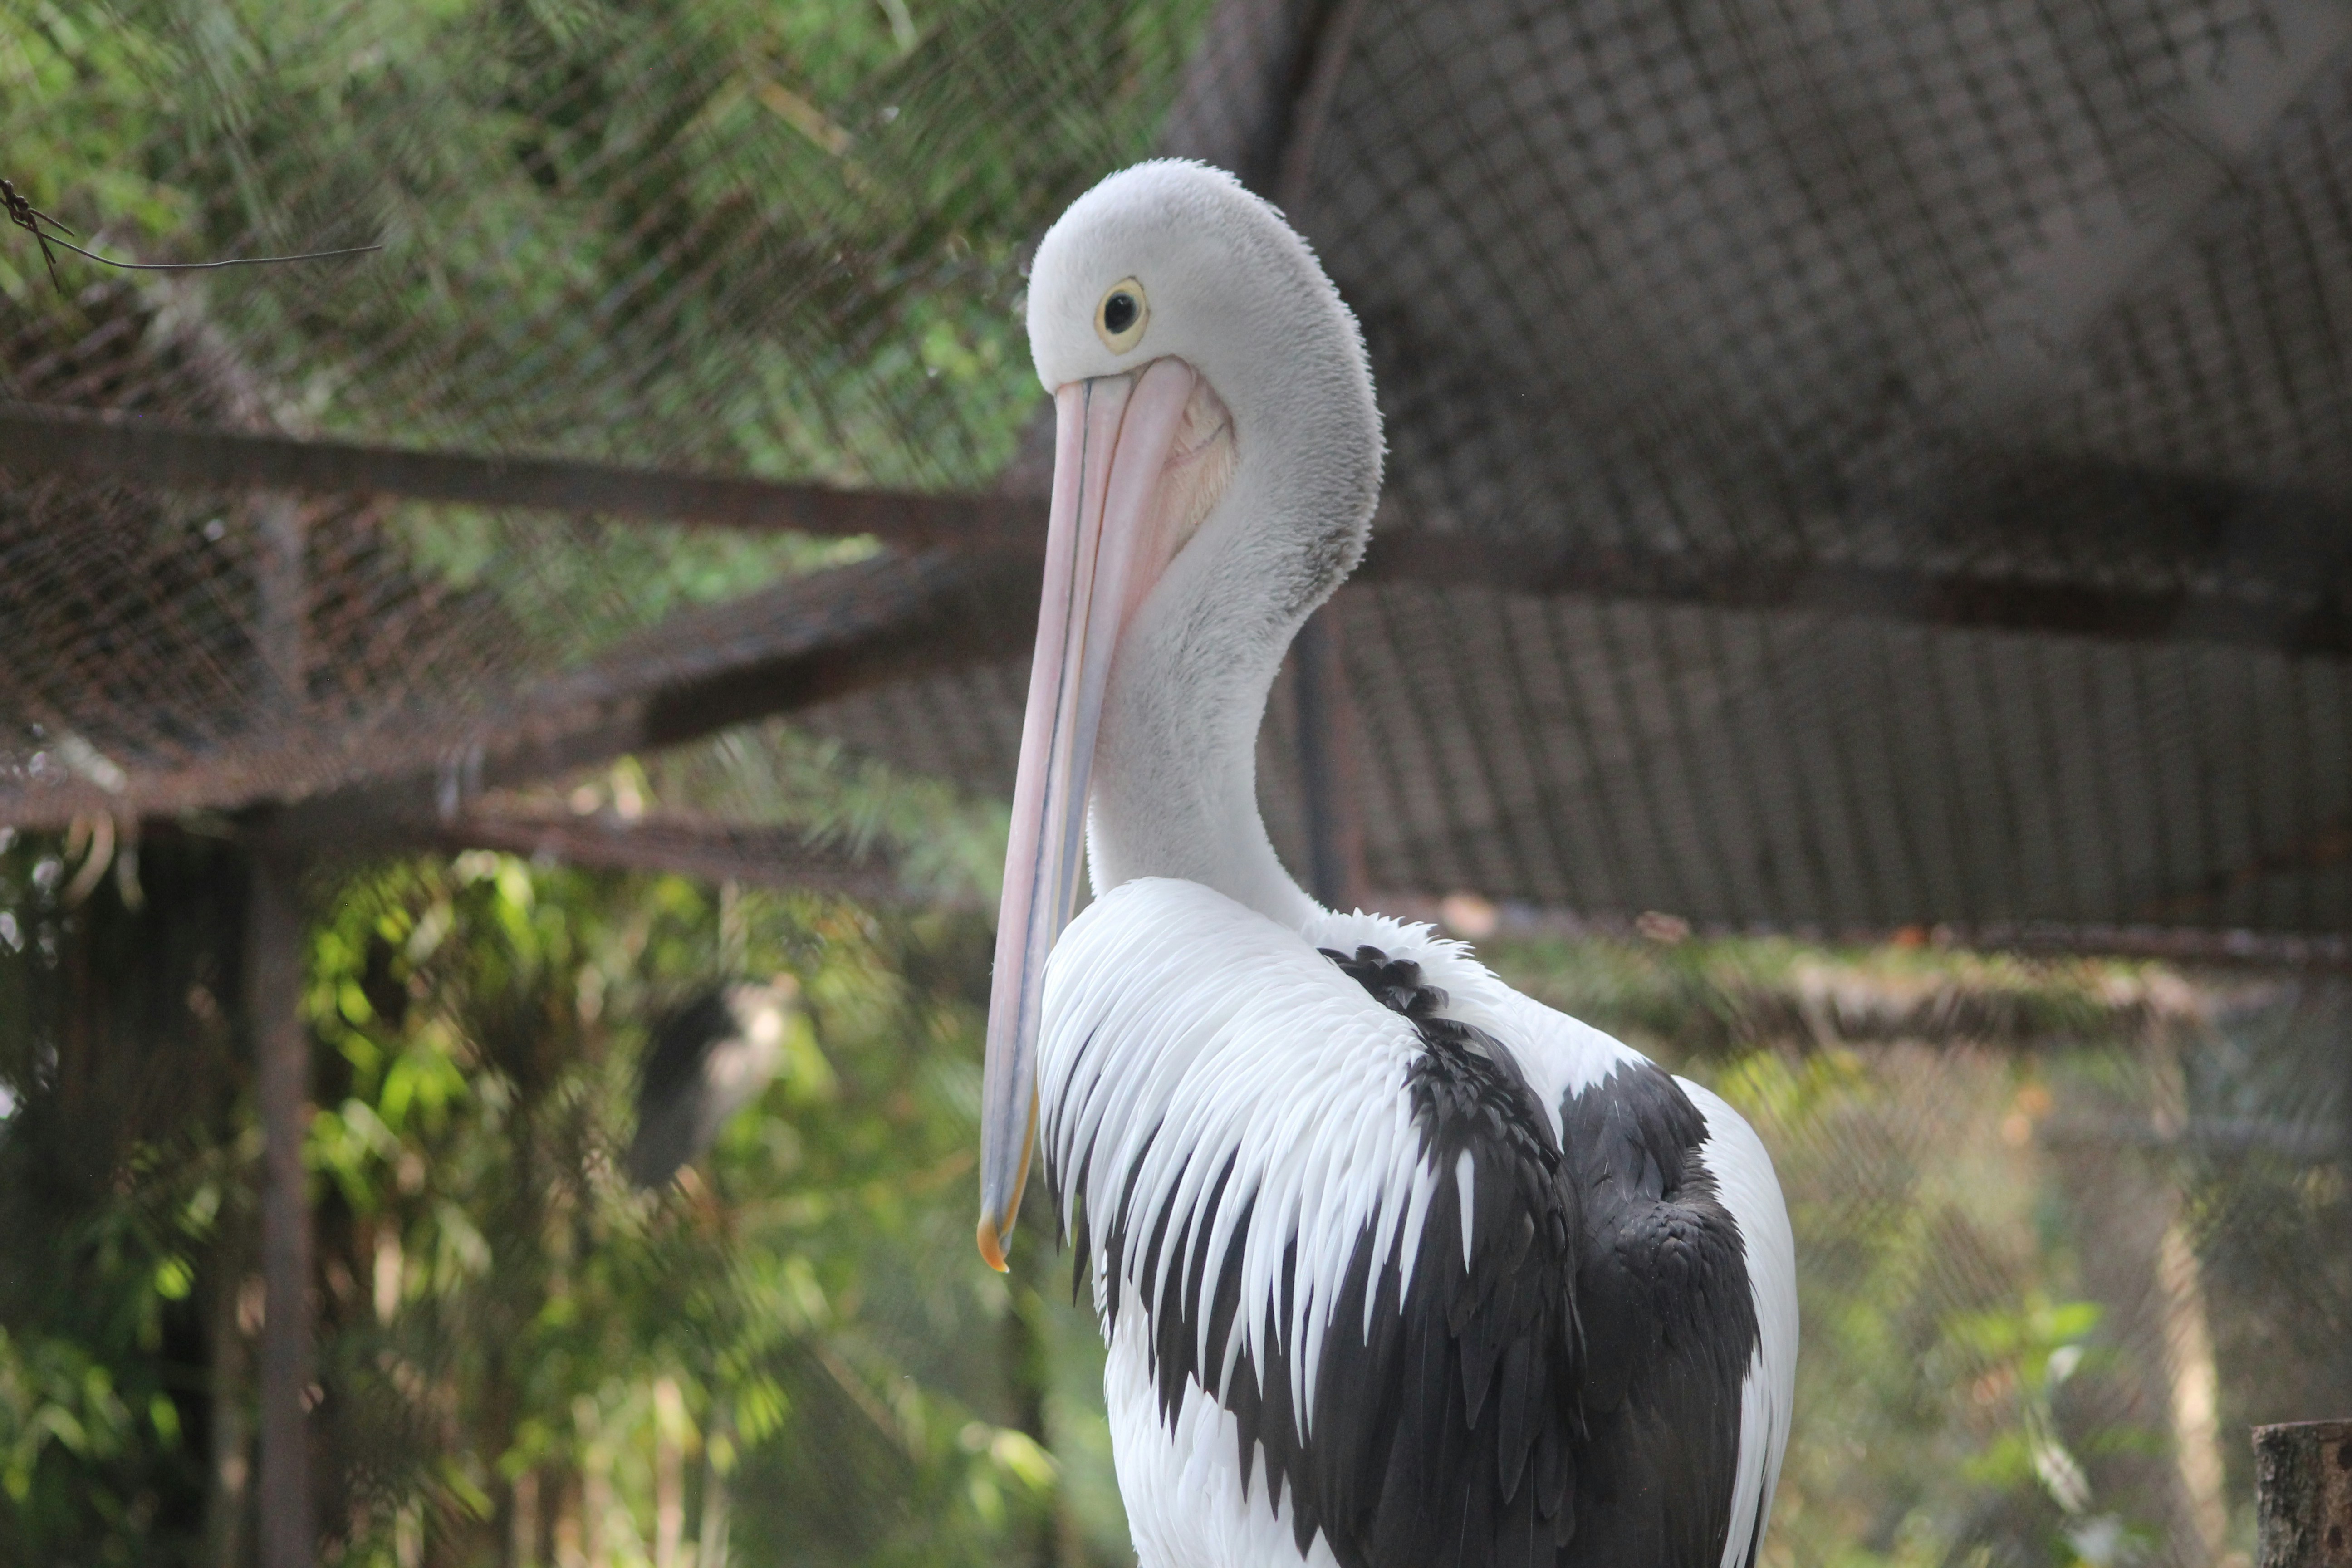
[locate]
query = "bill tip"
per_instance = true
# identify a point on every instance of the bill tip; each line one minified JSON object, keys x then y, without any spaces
{"x":992,"y":1246}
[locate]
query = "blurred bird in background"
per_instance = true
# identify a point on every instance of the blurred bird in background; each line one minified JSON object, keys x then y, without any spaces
{"x":709,"y":1059}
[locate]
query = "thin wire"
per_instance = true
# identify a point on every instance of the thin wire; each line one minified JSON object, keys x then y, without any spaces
{"x":201,"y":266}
{"x":30,"y":218}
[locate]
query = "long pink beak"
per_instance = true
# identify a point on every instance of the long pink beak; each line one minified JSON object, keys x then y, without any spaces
{"x":1113,"y":438}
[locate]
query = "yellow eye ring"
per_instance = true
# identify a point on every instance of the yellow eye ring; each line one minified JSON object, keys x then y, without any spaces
{"x":1121,"y":317}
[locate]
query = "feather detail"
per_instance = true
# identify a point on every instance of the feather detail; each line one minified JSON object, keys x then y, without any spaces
{"x":1407,"y":1290}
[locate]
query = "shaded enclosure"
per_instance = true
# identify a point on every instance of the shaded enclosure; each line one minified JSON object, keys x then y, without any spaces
{"x":1855,"y":472}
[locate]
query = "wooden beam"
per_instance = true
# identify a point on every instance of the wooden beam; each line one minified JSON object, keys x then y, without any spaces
{"x":127,"y":448}
{"x":2303,"y":1495}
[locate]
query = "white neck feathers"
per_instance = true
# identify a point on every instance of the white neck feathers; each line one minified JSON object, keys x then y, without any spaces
{"x":1239,"y":297}
{"x":1175,"y":777}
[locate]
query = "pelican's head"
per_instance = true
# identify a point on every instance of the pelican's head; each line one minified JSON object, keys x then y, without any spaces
{"x":1216,"y":465}
{"x":1169,"y":287}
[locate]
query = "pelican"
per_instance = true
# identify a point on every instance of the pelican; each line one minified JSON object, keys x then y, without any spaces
{"x":1395,"y":1266}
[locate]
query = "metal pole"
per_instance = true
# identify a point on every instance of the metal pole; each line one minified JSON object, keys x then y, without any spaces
{"x":2303,"y":1495}
{"x":1335,"y":836}
{"x":1327,"y":714}
{"x":273,"y":992}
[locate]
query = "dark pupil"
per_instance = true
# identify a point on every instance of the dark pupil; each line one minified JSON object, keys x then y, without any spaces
{"x":1118,"y":312}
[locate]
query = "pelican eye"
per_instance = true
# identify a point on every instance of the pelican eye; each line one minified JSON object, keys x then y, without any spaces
{"x":1121,"y":317}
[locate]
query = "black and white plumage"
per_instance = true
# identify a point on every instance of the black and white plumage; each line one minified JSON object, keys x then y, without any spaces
{"x":1396,"y":1266}
{"x":1259,"y":1155}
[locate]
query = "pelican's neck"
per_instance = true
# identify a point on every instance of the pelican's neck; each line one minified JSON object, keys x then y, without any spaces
{"x":1175,"y":790}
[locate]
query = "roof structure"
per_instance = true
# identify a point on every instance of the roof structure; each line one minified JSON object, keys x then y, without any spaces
{"x":1850,"y":467}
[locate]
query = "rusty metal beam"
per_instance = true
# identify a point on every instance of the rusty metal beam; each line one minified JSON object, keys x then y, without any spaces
{"x":2314,"y":952}
{"x":1236,"y":103}
{"x":2306,"y":607}
{"x":688,"y":845}
{"x":1328,"y":777}
{"x":2316,"y":625}
{"x":807,"y":641}
{"x":824,"y":637}
{"x":1324,"y":702}
{"x":124,"y":448}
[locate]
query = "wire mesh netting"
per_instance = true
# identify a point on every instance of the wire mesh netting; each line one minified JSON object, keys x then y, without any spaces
{"x":2055,"y":1249}
{"x":625,"y":236}
{"x":1913,"y":304}
{"x":1896,"y":458}
{"x":1952,"y":289}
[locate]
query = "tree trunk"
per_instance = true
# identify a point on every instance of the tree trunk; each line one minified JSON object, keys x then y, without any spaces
{"x":2302,"y":1488}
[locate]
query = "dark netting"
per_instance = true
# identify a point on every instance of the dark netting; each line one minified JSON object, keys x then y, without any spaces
{"x":1979,"y":290}
{"x":1934,"y":316}
{"x":1848,"y":470}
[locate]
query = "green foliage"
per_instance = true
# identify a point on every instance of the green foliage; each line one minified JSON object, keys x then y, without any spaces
{"x":74,"y":79}
{"x":797,"y":1333}
{"x":719,"y":231}
{"x":573,"y":590}
{"x":119,"y":1167}
{"x":947,"y":843}
{"x":714,"y":234}
{"x":810,"y":1290}
{"x":1935,"y":1352}
{"x":799,"y":1330}
{"x":52,"y":1394}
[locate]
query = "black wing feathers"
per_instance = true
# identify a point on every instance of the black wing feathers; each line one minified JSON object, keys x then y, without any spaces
{"x":1442,"y":1436}
{"x":1570,"y":1398}
{"x":1669,"y":1322}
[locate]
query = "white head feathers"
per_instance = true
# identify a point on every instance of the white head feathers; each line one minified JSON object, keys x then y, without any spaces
{"x":1234,"y":292}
